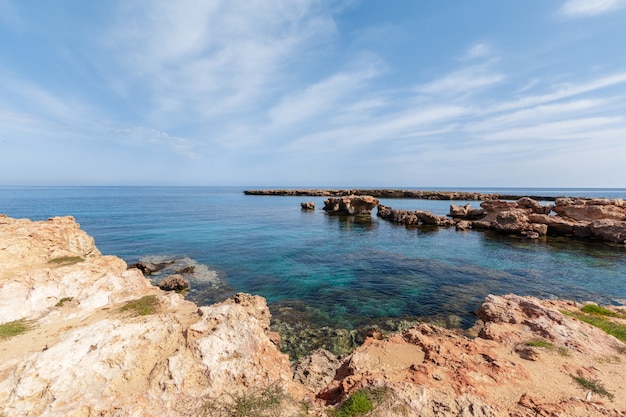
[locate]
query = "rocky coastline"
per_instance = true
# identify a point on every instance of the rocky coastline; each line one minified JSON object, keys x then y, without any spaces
{"x":596,"y":219}
{"x":98,"y":339}
{"x":395,"y":193}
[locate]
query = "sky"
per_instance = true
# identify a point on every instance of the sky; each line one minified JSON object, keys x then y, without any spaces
{"x":398,"y":93}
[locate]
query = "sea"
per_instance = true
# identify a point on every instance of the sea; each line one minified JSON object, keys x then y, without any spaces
{"x":344,"y":272}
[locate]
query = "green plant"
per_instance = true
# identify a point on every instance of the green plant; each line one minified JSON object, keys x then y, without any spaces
{"x":357,"y":404}
{"x":264,"y":403}
{"x":63,"y":301}
{"x":593,"y":386}
{"x":13,"y":328}
{"x":148,"y":304}
{"x":601,"y":311}
{"x":66,"y":260}
{"x":618,"y":330}
{"x":540,"y":343}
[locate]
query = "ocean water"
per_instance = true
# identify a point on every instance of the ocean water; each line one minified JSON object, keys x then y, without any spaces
{"x":344,"y":272}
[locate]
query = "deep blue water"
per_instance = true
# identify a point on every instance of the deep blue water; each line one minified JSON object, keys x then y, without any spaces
{"x":348,"y":270}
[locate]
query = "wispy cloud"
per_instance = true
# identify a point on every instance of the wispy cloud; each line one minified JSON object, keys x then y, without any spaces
{"x":321,"y":97}
{"x":588,"y":8}
{"x":478,"y":50}
{"x":206,"y":59}
{"x":463,"y":81}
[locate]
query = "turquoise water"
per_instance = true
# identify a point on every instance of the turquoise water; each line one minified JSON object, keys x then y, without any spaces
{"x":349,"y":271}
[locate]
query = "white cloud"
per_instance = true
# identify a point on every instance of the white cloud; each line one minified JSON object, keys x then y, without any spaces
{"x":478,"y":50}
{"x":587,"y":8}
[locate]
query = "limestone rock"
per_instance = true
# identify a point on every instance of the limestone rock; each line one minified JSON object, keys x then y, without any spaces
{"x":93,"y":356}
{"x":309,"y":205}
{"x":416,"y":217}
{"x":591,"y":209}
{"x":316,"y":370}
{"x":174,"y":282}
{"x":350,"y":205}
{"x":609,"y":230}
{"x":41,"y":242}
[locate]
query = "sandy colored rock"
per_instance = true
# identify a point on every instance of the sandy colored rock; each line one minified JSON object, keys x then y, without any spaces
{"x":89,"y":354}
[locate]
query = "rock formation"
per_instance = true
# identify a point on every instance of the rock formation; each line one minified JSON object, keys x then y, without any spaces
{"x":89,"y":352}
{"x":522,"y":364}
{"x":598,"y":219}
{"x":174,"y":282}
{"x":395,"y":193}
{"x":350,"y":205}
{"x":414,"y":217}
{"x":309,"y":205}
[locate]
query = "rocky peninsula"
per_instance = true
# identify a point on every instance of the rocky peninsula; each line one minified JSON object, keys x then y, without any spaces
{"x":84,"y":335}
{"x":395,"y":193}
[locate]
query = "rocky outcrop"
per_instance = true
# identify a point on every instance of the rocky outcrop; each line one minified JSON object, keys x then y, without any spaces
{"x":430,"y":371}
{"x":350,"y":205}
{"x":174,"y":282}
{"x":413,"y":217}
{"x":92,"y":349}
{"x":591,"y":209}
{"x":395,"y":193}
{"x":309,"y":205}
{"x":597,"y":219}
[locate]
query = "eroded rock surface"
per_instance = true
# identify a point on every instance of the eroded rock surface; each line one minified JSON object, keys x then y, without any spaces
{"x":430,"y":371}
{"x":89,"y":352}
{"x":350,"y":205}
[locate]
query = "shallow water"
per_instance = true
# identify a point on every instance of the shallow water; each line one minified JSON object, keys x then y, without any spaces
{"x":345,"y":272}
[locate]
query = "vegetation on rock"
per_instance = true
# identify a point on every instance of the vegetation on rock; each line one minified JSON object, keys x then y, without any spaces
{"x":143,"y":306}
{"x":596,"y":316}
{"x":593,"y":386}
{"x":361,"y":402}
{"x":13,"y":328}
{"x":63,"y":301}
{"x":268,"y":402}
{"x":540,"y":343}
{"x":66,"y":260}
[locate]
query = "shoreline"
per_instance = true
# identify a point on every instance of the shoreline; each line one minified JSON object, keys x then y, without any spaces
{"x":88,"y":347}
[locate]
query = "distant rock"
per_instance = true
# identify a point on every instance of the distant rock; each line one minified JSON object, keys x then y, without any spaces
{"x":350,"y":205}
{"x":309,"y":205}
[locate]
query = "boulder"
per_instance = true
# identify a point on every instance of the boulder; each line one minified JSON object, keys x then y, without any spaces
{"x":350,"y":205}
{"x":309,"y":205}
{"x":174,"y":282}
{"x":459,"y":211}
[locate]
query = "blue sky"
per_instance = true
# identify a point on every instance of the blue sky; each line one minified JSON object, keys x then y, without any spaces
{"x":313,"y":93}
